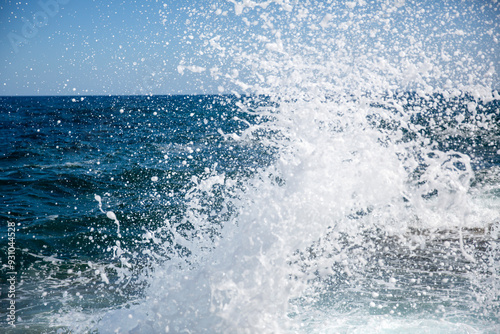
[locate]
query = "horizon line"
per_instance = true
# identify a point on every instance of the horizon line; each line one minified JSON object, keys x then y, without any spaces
{"x":129,"y":95}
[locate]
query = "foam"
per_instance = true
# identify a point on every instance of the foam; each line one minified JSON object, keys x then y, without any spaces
{"x":346,"y":181}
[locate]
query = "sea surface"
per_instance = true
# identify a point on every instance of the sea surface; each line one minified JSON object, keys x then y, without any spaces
{"x":251,"y":214}
{"x":345,"y":178}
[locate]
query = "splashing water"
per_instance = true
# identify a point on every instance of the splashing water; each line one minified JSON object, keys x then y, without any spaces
{"x":375,"y":214}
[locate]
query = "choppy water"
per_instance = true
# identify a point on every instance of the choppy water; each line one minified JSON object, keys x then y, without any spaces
{"x":209,"y":223}
{"x":354,"y":188}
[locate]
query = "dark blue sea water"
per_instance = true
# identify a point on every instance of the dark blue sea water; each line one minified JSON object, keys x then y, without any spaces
{"x":112,"y":197}
{"x":138,"y":153}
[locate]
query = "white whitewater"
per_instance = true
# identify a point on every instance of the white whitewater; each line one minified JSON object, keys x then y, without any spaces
{"x":330,"y":238}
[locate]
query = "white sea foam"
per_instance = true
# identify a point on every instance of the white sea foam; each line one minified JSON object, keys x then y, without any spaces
{"x":346,"y":186}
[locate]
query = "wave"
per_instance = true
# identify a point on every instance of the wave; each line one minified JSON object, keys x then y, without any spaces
{"x":368,"y":210}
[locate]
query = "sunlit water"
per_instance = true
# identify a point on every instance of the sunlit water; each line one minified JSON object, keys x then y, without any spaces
{"x":353,"y":187}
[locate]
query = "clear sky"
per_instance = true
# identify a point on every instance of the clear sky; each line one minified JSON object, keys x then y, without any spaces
{"x":93,"y":47}
{"x":118,"y":47}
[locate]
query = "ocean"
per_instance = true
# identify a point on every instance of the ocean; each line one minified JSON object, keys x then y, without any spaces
{"x":141,"y":214}
{"x":344,"y":177}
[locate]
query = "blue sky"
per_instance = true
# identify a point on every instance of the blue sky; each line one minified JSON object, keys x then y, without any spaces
{"x":93,"y":47}
{"x":85,"y":47}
